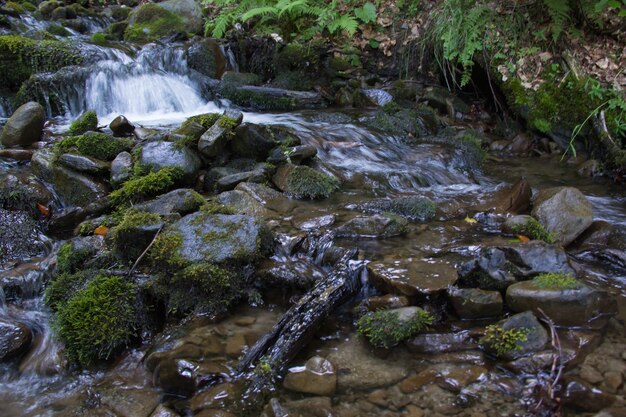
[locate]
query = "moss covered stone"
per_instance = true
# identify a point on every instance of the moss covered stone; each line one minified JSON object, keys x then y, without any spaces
{"x":413,"y":208}
{"x":64,"y":286}
{"x":533,"y":229}
{"x":97,"y":321}
{"x":134,"y":233}
{"x":58,"y":30}
{"x":22,"y":57}
{"x":304,"y":182}
{"x":71,"y":259}
{"x":557,"y":280}
{"x":502,"y":342}
{"x":95,"y":145}
{"x":88,"y":121}
{"x":149,"y":185}
{"x":151,"y":22}
{"x":387,"y":328}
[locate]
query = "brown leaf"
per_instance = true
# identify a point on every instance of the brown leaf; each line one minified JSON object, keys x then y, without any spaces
{"x":101,"y":230}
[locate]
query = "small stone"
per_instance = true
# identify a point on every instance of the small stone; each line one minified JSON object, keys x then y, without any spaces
{"x":235,"y":345}
{"x":590,"y":374}
{"x":317,"y":376}
{"x":414,"y":382}
{"x":413,"y":411}
{"x":612,"y":381}
{"x":121,"y":167}
{"x":387,"y":301}
{"x":14,"y":339}
{"x":24,"y":127}
{"x":474,"y":303}
{"x":581,"y":395}
{"x":454,"y":378}
{"x":378,"y":397}
{"x":121,"y":126}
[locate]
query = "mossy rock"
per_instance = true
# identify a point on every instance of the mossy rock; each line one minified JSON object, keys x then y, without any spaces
{"x":96,"y":145}
{"x":292,"y":80}
{"x":149,"y":185}
{"x":58,"y":30}
{"x":387,"y":328}
{"x":98,"y":320}
{"x":413,"y":208}
{"x":22,"y":57}
{"x":88,"y":121}
{"x":150,"y":22}
{"x":134,"y":233}
{"x":304,"y":182}
{"x":241,"y":78}
{"x":116,"y":30}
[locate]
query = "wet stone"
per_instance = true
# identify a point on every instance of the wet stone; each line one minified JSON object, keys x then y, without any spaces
{"x":19,"y":237}
{"x":121,"y":167}
{"x":580,"y":395}
{"x":316,"y":377}
{"x":441,"y":342}
{"x":235,"y":345}
{"x":128,"y":401}
{"x":121,"y":126}
{"x":474,"y":303}
{"x":84,"y":164}
{"x":455,"y":378}
{"x":412,"y":277}
{"x":176,"y":377}
{"x":216,"y":397}
{"x":162,"y":411}
{"x":160,"y":155}
{"x":181,"y":201}
{"x":387,"y":301}
{"x":315,"y":223}
{"x":536,"y":335}
{"x":379,"y":226}
{"x":15,"y":338}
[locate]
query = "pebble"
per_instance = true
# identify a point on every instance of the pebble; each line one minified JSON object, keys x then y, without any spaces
{"x":591,"y":374}
{"x":612,"y":381}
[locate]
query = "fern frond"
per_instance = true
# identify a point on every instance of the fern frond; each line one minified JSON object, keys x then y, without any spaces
{"x":343,"y":23}
{"x":560,"y":14}
{"x":259,"y":11}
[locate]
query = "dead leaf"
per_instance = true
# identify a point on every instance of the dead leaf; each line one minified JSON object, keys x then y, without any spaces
{"x":43,"y":209}
{"x":523,"y":238}
{"x":101,"y":230}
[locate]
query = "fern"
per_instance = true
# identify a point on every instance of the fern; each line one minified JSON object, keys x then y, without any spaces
{"x":259,"y":11}
{"x":560,"y":12}
{"x":343,"y":23}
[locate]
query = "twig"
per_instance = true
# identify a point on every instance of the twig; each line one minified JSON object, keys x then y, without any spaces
{"x":130,"y":271}
{"x":557,"y":363}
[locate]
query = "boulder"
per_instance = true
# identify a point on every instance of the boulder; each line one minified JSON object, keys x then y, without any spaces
{"x":268,"y":197}
{"x":292,"y":154}
{"x":563,"y":211}
{"x":474,"y":303}
{"x":205,"y":56}
{"x":378,"y":226}
{"x":317,"y":377}
{"x":253,"y":141}
{"x":189,"y":11}
{"x":220,"y":238}
{"x":182,"y":201}
{"x":509,"y":199}
{"x":84,"y":164}
{"x":578,"y":305}
{"x":24,"y":127}
{"x":121,"y":126}
{"x":412,"y":277}
{"x":303,"y":182}
{"x":121,"y":168}
{"x":213,"y":141}
{"x":159,"y":155}
{"x":15,"y":338}
{"x":441,"y":342}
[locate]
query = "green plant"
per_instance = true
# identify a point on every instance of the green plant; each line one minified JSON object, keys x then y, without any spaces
{"x":96,"y":145}
{"x":556,"y":280}
{"x":98,"y":320}
{"x":64,"y":286}
{"x":84,"y":123}
{"x":149,"y":185}
{"x":384,"y":328}
{"x":99,"y":38}
{"x":534,"y":230}
{"x":69,"y":259}
{"x":502,"y":341}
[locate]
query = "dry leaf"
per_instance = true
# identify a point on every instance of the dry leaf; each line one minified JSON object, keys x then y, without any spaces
{"x":523,"y":238}
{"x":43,"y":209}
{"x":101,"y":230}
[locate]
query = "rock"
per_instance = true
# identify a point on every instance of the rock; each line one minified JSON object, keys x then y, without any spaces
{"x":268,"y":197}
{"x":213,"y":141}
{"x":19,"y":237}
{"x":579,"y":394}
{"x":20,"y":191}
{"x":220,"y":238}
{"x":253,"y":141}
{"x":378,"y":226}
{"x":413,"y":208}
{"x":441,"y":342}
{"x":15,"y":338}
{"x":182,"y":201}
{"x":205,"y":56}
{"x":127,"y":401}
{"x":415,"y":382}
{"x":565,"y":306}
{"x":296,"y":273}
{"x":316,"y":377}
{"x":236,"y":345}
{"x":243,"y":203}
{"x":303,"y":182}
{"x":24,"y":127}
{"x":563,"y":211}
{"x":131,"y":240}
{"x":597,"y":236}
{"x":498,"y":267}
{"x":84,"y":164}
{"x":73,"y":188}
{"x":269,"y":99}
{"x":189,"y":11}
{"x":387,"y":301}
{"x":509,"y":199}
{"x":412,"y":277}
{"x":590,"y":168}
{"x":259,"y":174}
{"x":17,"y":154}
{"x":121,"y":126}
{"x":454,"y":378}
{"x":292,"y":154}
{"x":159,"y":155}
{"x":162,"y":411}
{"x":315,"y":223}
{"x":511,"y":224}
{"x":474,"y":303}
{"x":175,"y":377}
{"x":215,"y":397}
{"x":536,"y":336}
{"x":144,"y":134}
{"x":308,"y":407}
{"x":121,"y":168}
{"x":359,"y":369}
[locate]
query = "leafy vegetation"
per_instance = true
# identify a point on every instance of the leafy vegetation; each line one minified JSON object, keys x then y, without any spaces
{"x":501,"y":341}
{"x":385,"y":328}
{"x":534,"y":230}
{"x":555,"y":280}
{"x":149,"y":185}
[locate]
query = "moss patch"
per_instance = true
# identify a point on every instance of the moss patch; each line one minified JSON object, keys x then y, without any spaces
{"x":98,"y":320}
{"x":69,"y":260}
{"x":22,"y":57}
{"x":534,"y":230}
{"x":95,"y":145}
{"x":151,"y":22}
{"x":64,"y":286}
{"x":501,"y":341}
{"x":557,"y":281}
{"x":305,"y":182}
{"x":149,"y":185}
{"x":86,"y":122}
{"x":384,"y":328}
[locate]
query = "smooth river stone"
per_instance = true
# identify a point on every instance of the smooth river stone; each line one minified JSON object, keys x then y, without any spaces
{"x":474,"y":303}
{"x":14,"y":339}
{"x":317,"y":377}
{"x":412,"y":277}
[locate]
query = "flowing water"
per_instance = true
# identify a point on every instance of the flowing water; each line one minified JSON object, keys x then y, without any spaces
{"x":153,"y":87}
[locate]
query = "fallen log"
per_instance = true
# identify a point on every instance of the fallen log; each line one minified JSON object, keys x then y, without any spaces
{"x":268,"y":359}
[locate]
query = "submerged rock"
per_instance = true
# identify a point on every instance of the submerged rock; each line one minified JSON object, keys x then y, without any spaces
{"x":412,"y":277}
{"x":563,"y":211}
{"x":317,"y":377}
{"x":24,"y":127}
{"x":474,"y":303}
{"x":579,"y":394}
{"x":378,"y":226}
{"x":14,"y":339}
{"x":441,"y":342}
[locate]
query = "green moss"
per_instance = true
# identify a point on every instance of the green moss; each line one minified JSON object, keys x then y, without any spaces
{"x":472,"y":144}
{"x":384,"y":328}
{"x":99,"y":38}
{"x":150,"y":185}
{"x":15,"y":7}
{"x":305,"y":182}
{"x":23,"y":57}
{"x":502,"y":341}
{"x":95,"y":145}
{"x":555,"y":280}
{"x":97,"y":321}
{"x":116,"y":30}
{"x":64,"y":286}
{"x":206,"y":120}
{"x":213,"y":207}
{"x":164,"y":252}
{"x":228,"y":123}
{"x":58,"y":31}
{"x":88,"y":227}
{"x":534,"y":230}
{"x":151,"y":22}
{"x":133,"y":219}
{"x":257,"y":99}
{"x":413,"y":208}
{"x":292,"y":80}
{"x":88,"y":121}
{"x":69,"y":260}
{"x":241,"y":78}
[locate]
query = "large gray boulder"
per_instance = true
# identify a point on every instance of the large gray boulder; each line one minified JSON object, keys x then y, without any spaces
{"x":213,"y":141}
{"x":218,"y":238}
{"x":189,"y":11}
{"x":159,"y":155}
{"x":181,"y":201}
{"x":563,"y":211}
{"x":25,"y":126}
